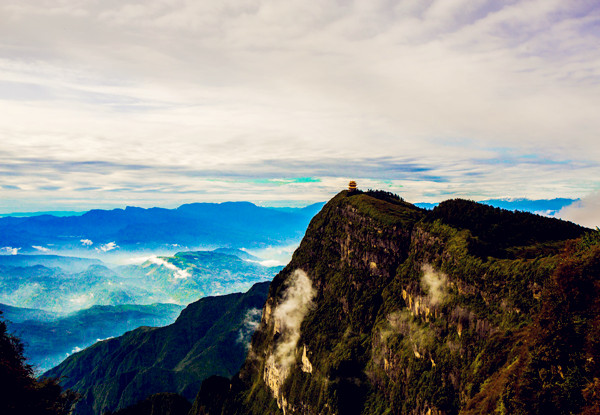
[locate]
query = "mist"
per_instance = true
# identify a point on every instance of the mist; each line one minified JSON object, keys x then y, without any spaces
{"x":249,"y":326}
{"x":297,"y":301}
{"x":435,"y":284}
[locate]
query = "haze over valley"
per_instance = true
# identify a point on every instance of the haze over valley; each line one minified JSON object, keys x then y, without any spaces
{"x":60,"y":304}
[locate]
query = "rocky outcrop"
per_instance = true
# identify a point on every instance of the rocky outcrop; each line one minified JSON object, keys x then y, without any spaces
{"x":404,"y":315}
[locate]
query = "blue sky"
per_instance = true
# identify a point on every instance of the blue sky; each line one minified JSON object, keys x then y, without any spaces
{"x":162,"y":102}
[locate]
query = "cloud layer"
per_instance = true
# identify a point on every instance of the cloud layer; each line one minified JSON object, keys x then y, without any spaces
{"x":179,"y":101}
{"x":586,"y":211}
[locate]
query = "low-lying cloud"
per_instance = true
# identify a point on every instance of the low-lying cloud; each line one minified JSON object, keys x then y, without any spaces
{"x":297,"y":301}
{"x":40,"y":248}
{"x":249,"y":326}
{"x":107,"y":247}
{"x":9,"y":250}
{"x":178,"y":273}
{"x":86,"y":242}
{"x":585,"y":211}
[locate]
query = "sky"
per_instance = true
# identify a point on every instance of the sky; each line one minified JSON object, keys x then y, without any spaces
{"x":108,"y":103}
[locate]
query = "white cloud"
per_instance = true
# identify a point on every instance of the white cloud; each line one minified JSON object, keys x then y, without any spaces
{"x":271,"y":263}
{"x":468,"y":90}
{"x":107,"y":247}
{"x":585,"y":212}
{"x":288,"y":315}
{"x":82,"y":299}
{"x":181,"y":274}
{"x":9,"y":250}
{"x":137,"y":260}
{"x":86,"y":242}
{"x":177,"y":274}
{"x":40,"y":248}
{"x":162,"y":262}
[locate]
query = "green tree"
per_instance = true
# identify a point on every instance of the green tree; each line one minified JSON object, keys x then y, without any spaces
{"x":21,"y":393}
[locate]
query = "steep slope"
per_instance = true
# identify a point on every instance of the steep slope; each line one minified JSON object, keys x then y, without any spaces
{"x":386,"y":308}
{"x":210,"y":337}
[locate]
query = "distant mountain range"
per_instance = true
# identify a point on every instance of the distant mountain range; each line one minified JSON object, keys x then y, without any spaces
{"x":49,"y":338}
{"x":65,"y":263}
{"x":181,"y":279}
{"x":234,"y":224}
{"x":57,"y":312}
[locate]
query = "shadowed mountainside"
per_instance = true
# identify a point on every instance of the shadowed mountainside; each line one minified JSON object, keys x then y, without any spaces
{"x":210,"y":337}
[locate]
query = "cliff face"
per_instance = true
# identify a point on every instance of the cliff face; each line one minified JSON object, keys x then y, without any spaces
{"x":386,"y":308}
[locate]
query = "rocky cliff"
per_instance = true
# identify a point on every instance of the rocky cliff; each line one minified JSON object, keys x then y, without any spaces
{"x":387,"y":308}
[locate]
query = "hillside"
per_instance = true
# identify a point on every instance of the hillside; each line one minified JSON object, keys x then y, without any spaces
{"x":389,"y":309}
{"x":48,"y":341}
{"x":210,"y":337}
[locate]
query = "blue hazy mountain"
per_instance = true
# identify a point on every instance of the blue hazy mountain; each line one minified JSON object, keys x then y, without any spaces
{"x":49,"y":339}
{"x":49,"y":212}
{"x":310,"y":209}
{"x":238,"y":253}
{"x":234,"y":224}
{"x":66,"y":263}
{"x":187,"y":276}
{"x":546,"y":206}
{"x":37,"y":299}
{"x":56,"y":290}
{"x":20,"y":314}
{"x":181,"y":278}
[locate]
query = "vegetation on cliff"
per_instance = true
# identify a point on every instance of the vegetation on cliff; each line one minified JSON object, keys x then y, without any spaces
{"x":463,"y":309}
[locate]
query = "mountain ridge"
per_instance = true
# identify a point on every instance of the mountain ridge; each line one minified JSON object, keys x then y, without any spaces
{"x":404,"y":312}
{"x":235,"y":224}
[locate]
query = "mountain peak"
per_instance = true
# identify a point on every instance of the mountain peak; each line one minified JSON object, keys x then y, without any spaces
{"x":388,"y":308}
